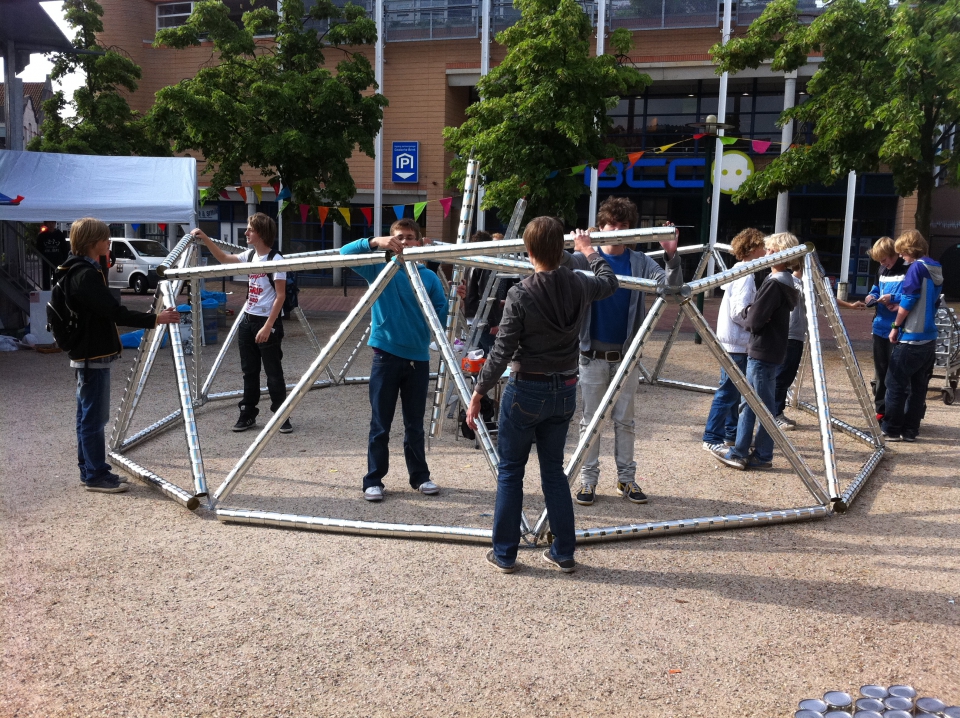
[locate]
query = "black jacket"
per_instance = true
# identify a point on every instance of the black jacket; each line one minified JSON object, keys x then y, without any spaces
{"x":100,"y":313}
{"x":768,"y":318}
{"x":540,"y":328}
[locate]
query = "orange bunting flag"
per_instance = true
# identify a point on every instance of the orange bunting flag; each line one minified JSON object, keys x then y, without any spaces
{"x":633,"y":157}
{"x":446,"y":203}
{"x":322,"y":212}
{"x":418,"y":208}
{"x":602,"y":166}
{"x":258,"y":191}
{"x":345,"y":211}
{"x":242,"y":192}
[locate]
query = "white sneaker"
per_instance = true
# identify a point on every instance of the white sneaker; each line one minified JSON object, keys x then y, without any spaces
{"x":429,"y":488}
{"x":784,"y":423}
{"x":374,"y":493}
{"x":707,"y":446}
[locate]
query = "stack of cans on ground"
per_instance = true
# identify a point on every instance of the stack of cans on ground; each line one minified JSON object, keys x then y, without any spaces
{"x":874,"y":702}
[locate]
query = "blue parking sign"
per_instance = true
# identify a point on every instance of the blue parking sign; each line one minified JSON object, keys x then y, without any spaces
{"x":406,"y":162}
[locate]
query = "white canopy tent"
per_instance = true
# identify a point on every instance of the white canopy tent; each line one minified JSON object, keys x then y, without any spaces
{"x":63,"y":188}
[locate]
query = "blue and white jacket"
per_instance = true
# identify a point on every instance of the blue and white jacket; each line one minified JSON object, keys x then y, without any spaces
{"x":920,"y":296}
{"x":398,"y":325}
{"x":889,"y":281}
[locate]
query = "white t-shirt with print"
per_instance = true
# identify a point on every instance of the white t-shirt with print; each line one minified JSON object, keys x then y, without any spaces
{"x":262,"y":294}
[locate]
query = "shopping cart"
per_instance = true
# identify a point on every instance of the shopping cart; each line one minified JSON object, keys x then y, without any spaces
{"x":948,"y":352}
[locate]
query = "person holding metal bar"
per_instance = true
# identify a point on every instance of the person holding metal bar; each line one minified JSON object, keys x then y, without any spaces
{"x":607,"y":331}
{"x":721,"y":428}
{"x":400,"y":338}
{"x":768,"y":321}
{"x":99,"y":313}
{"x":260,"y":336}
{"x":539,"y":338}
{"x":914,"y":336}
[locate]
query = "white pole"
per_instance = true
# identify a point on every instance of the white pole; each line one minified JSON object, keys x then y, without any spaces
{"x":843,"y":282}
{"x":718,"y":152}
{"x":13,"y":99}
{"x":601,"y":48}
{"x":378,"y":148}
{"x":337,"y":243}
{"x":484,"y":69}
{"x":786,"y":136}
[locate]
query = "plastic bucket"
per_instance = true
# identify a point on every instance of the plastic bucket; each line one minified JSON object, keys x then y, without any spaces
{"x":221,"y":298}
{"x":210,"y":310}
{"x":186,"y":327}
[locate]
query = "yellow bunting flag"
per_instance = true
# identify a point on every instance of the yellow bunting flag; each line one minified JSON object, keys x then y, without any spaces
{"x":666,"y":147}
{"x":257,"y":190}
{"x":346,"y":213}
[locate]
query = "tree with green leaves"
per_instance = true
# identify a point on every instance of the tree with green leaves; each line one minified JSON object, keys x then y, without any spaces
{"x":103,"y":123}
{"x":274,"y":105}
{"x":543,"y":109}
{"x":885,"y":94}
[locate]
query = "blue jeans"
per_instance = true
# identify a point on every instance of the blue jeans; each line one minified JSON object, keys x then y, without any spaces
{"x":391,"y":377}
{"x":93,"y":413}
{"x":762,"y":376}
{"x":724,"y":412}
{"x":907,"y":378}
{"x":534,"y":411}
{"x":787,"y":372}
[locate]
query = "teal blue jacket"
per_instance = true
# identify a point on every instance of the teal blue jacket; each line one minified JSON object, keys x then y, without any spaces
{"x":398,"y":325}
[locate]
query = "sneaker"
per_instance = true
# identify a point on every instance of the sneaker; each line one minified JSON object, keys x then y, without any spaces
{"x":730,"y":459}
{"x":565,"y":566}
{"x":374,"y":493}
{"x":891,"y":437}
{"x":244,"y":423}
{"x":106,"y":485}
{"x":115,"y":477}
{"x":586,"y":495}
{"x":908,"y":438}
{"x":754,"y":462}
{"x":784,"y":423}
{"x":631,"y":492}
{"x":285,"y":428}
{"x":707,"y":446}
{"x":429,"y":488}
{"x":492,"y":560}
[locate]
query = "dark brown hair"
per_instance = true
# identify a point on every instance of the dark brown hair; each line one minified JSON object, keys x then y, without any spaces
{"x":745,"y":242}
{"x":263,"y":226}
{"x":407,"y":223}
{"x":480,"y":236}
{"x":615,"y":210}
{"x":543,"y":238}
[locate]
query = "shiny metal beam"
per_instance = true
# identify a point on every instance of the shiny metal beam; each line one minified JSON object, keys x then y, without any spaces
{"x":221,"y":355}
{"x":820,"y":383}
{"x":174,"y":256}
{"x":840,"y":425}
{"x":347,"y":526}
{"x":721,"y":278}
{"x":592,"y":432}
{"x":850,"y":493}
{"x":433,"y":253}
{"x":750,"y":396}
{"x":658,"y":529}
{"x":798,"y":382}
{"x":186,"y":399}
{"x":306,"y":381}
{"x":237,"y":393}
{"x":353,"y":355}
{"x":308,"y":330}
{"x":701,"y":388}
{"x":166,"y":422}
{"x":678,"y":322}
{"x":196,"y":318}
{"x":171,"y":490}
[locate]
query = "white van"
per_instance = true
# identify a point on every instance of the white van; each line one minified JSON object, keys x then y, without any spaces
{"x":135,"y":263}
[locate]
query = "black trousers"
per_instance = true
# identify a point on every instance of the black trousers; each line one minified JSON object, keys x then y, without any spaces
{"x":252,"y":356}
{"x":882,"y":348}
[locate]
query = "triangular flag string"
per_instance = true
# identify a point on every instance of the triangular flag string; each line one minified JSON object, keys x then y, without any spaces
{"x":446,"y":203}
{"x":242,"y":192}
{"x":345,"y":211}
{"x":399,"y":209}
{"x":602,"y":166}
{"x":258,"y":191}
{"x":367,"y":213}
{"x":418,"y":208}
{"x":304,"y":209}
{"x":322,"y":213}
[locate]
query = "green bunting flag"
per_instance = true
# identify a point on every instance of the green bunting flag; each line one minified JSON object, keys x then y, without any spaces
{"x":418,"y":209}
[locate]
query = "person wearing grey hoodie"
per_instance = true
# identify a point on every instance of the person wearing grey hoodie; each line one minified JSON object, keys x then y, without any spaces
{"x":539,"y":339}
{"x":768,"y":321}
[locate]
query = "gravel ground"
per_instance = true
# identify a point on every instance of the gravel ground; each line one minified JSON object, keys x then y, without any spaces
{"x":130,"y":605}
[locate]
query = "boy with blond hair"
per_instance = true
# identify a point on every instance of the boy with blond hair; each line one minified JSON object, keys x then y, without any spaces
{"x":768,"y":321}
{"x":885,"y":295}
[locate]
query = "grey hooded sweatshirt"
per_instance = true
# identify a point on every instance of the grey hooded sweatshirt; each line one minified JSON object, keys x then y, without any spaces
{"x":540,"y":329}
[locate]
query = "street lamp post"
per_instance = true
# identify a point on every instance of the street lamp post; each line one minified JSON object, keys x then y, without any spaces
{"x":709,"y":128}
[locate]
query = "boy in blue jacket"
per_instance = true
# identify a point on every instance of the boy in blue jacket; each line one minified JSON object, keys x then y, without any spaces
{"x":885,"y":295}
{"x":400,"y":338}
{"x":914,"y":336}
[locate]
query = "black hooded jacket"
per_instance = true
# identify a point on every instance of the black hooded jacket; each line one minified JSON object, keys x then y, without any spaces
{"x":540,"y":328}
{"x":768,"y":318}
{"x":88,"y":296}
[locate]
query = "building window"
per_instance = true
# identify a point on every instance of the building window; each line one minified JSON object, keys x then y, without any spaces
{"x":173,"y":14}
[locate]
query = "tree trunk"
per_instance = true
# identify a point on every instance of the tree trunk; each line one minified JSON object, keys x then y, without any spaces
{"x":921,"y":217}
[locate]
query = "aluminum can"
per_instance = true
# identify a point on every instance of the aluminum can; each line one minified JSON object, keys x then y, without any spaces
{"x":838,"y":700}
{"x":903,"y":692}
{"x":867,"y":714}
{"x":808,"y":714}
{"x":869,"y":704}
{"x":837,"y":714}
{"x":930,"y":706}
{"x":813,"y":704}
{"x":878,"y":692}
{"x":898,"y":703}
{"x":951,"y":712}
{"x":897,"y":714}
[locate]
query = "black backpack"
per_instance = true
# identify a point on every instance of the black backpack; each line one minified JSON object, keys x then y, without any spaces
{"x":290,"y":301}
{"x":63,"y":322}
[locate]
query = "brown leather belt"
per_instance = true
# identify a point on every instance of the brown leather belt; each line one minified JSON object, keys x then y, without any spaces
{"x":532,"y":376}
{"x":606,"y":356}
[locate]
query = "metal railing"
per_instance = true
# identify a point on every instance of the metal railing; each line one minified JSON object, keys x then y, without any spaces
{"x":663,"y":14}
